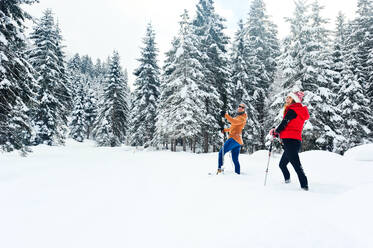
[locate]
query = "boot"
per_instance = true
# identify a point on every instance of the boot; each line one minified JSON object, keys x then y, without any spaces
{"x":305,"y":188}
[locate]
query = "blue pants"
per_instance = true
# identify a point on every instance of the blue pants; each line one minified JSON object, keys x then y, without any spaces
{"x":234,"y":146}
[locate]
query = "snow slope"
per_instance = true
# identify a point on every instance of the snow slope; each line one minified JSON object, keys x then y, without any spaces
{"x":83,"y":196}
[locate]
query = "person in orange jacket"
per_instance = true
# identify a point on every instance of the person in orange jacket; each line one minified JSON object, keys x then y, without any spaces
{"x":234,"y":141}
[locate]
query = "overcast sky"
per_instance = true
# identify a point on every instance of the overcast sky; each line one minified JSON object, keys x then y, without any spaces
{"x":97,"y":27}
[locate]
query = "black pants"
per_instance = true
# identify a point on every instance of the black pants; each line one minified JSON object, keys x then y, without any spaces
{"x":291,"y":149}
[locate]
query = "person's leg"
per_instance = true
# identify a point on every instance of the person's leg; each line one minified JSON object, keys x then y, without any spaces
{"x":293,"y":156}
{"x":235,"y":153}
{"x":283,"y":166}
{"x":227,"y":147}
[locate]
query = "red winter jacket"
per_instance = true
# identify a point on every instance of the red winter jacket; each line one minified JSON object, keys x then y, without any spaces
{"x":293,"y":129}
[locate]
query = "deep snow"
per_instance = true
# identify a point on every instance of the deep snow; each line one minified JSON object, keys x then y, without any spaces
{"x":84,"y":196}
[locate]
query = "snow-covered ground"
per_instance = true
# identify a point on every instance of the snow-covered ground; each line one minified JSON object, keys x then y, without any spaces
{"x":81,"y":196}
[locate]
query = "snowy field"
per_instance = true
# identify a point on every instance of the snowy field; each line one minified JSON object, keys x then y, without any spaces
{"x":82,"y":196}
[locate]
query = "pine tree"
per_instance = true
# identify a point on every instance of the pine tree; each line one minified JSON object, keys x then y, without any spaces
{"x":63,"y":90}
{"x":353,"y":98}
{"x":77,"y":124}
{"x":74,"y":74}
{"x":180,"y":115}
{"x":209,"y":27}
{"x":90,"y":109}
{"x":75,"y":63}
{"x":370,"y":90}
{"x":51,"y":117}
{"x":112,"y":119}
{"x":326,"y":117}
{"x":262,"y":50}
{"x":146,"y":92}
{"x":338,"y":50}
{"x":361,"y":41}
{"x":306,"y":65}
{"x":162,"y":132}
{"x":87,"y":66}
{"x":241,"y":81}
{"x":341,"y":76}
{"x":17,"y":84}
{"x":355,"y":110}
{"x":100,"y":69}
{"x":80,"y":78}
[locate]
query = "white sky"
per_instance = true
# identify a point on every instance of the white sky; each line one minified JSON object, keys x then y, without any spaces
{"x":97,"y":27}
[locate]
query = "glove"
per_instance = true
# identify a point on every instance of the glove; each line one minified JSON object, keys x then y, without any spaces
{"x":222,"y":129}
{"x":274,"y":133}
{"x":222,"y":113}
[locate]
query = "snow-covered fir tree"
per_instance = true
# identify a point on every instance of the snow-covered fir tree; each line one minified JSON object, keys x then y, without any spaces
{"x":75,"y":63}
{"x":239,"y":76}
{"x":352,"y":97}
{"x":180,"y":115}
{"x":87,"y":66}
{"x":326,"y":115}
{"x":354,"y":106}
{"x":63,"y":91}
{"x":74,"y":71}
{"x":262,"y":49}
{"x":73,"y":67}
{"x":88,"y":80}
{"x":50,"y":118}
{"x":209,"y":27}
{"x":146,"y":92}
{"x":90,"y":108}
{"x":241,"y":81}
{"x":77,"y":124}
{"x":361,"y":44}
{"x":100,"y":69}
{"x":17,"y":83}
{"x":306,"y":66}
{"x":161,"y":135}
{"x":112,"y":119}
{"x":340,"y":67}
{"x":338,"y":50}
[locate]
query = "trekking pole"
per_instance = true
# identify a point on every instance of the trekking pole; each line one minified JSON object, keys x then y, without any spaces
{"x":222,"y":148}
{"x":269,"y":157}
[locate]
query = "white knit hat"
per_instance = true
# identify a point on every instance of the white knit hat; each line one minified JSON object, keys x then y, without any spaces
{"x":297,"y":96}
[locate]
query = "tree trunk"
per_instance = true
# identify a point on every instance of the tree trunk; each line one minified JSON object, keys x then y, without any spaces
{"x":174,"y":145}
{"x":206,"y":143}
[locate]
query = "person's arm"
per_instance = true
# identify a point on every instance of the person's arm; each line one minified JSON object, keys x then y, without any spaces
{"x":235,"y":121}
{"x":288,"y":117}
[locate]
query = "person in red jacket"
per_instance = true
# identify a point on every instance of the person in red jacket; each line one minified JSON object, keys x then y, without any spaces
{"x":290,"y":132}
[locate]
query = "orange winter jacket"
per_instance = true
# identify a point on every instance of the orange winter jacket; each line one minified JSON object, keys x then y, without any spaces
{"x":237,"y":124}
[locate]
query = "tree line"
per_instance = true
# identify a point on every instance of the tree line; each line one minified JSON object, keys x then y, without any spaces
{"x":46,"y":97}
